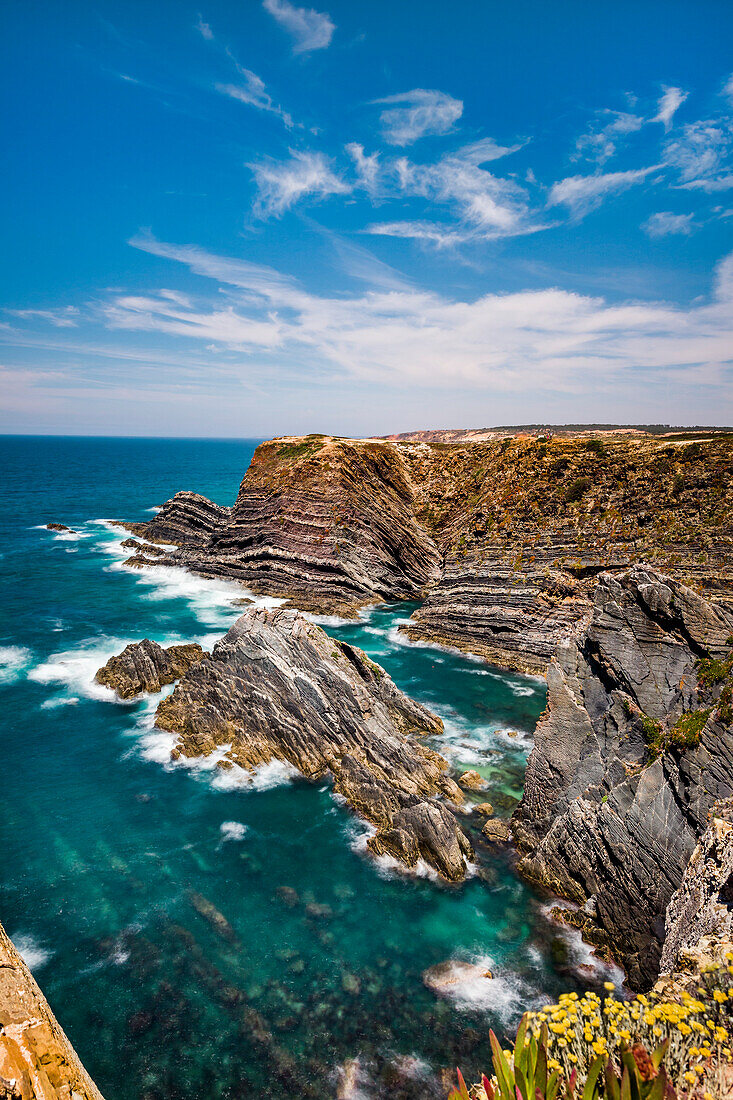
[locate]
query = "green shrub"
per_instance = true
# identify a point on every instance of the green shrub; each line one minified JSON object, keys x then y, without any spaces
{"x":595,"y":446}
{"x":576,"y":490}
{"x":685,"y":733}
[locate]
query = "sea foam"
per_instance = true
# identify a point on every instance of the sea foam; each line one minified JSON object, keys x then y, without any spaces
{"x":14,"y":660}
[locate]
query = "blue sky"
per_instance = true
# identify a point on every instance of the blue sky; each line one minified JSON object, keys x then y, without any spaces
{"x":257,"y":218}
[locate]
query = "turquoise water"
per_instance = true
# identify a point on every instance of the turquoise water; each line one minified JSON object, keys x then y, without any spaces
{"x":108,"y":851}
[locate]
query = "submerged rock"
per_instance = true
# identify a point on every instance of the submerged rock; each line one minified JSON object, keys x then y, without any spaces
{"x":277,"y":687}
{"x":147,"y":666}
{"x":629,"y":758}
{"x":472,"y":781}
{"x":496,"y":831}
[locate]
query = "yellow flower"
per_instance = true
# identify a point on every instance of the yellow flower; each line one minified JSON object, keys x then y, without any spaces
{"x":690,"y":1078}
{"x":609,"y":986}
{"x":719,"y":996}
{"x":720,"y":1034}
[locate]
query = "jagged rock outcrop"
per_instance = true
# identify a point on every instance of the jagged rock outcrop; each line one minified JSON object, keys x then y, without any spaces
{"x":187,"y":519}
{"x":277,"y":687}
{"x":699,"y":919}
{"x":147,"y":666}
{"x":502,"y":536}
{"x":633,"y":751}
{"x":329,"y":523}
{"x":37,"y":1061}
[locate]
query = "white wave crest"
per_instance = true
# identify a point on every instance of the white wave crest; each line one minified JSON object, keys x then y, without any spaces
{"x":465,"y":983}
{"x":14,"y":660}
{"x":233,"y":830}
{"x":33,"y":954}
{"x":75,"y":669}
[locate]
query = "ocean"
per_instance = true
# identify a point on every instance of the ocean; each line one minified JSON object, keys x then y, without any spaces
{"x":112,"y":857}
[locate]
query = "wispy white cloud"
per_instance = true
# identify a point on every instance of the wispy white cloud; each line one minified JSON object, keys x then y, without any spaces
{"x":551,"y":339}
{"x":280,"y":184}
{"x":599,"y":143}
{"x":66,"y":317}
{"x":581,"y":194}
{"x":254,"y":93}
{"x":367,"y":167}
{"x":700,"y":154}
{"x":727,"y":89}
{"x":310,"y":29}
{"x":441,"y":236}
{"x":204,"y":29}
{"x":412,"y":115}
{"x":665,"y":224}
{"x":669,"y":103}
{"x":491,"y":204}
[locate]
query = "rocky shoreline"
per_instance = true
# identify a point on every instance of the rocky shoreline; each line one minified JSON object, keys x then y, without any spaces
{"x":525,"y":551}
{"x":500,"y":539}
{"x":276,"y":687}
{"x":632,"y":754}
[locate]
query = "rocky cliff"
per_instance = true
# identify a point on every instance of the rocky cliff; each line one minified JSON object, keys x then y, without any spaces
{"x":634,"y":750}
{"x":277,"y":687}
{"x":501,"y":537}
{"x":329,"y":523}
{"x":699,"y":918}
{"x":37,"y":1061}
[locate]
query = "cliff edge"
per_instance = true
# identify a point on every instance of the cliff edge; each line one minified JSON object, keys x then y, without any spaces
{"x":37,"y":1061}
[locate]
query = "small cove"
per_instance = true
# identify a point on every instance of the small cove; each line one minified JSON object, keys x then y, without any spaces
{"x":115,"y":863}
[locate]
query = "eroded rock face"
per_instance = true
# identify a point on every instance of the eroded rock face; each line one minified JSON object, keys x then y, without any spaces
{"x":329,"y":523}
{"x":277,"y":687}
{"x":614,"y":800}
{"x":699,"y":919}
{"x":37,"y":1061}
{"x":515,"y":618}
{"x":147,"y":666}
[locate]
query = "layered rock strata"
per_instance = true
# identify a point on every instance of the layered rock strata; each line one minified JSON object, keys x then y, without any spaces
{"x":632,"y":753}
{"x":502,"y":538}
{"x":330,"y":524}
{"x":147,"y":666}
{"x":187,"y":519}
{"x":37,"y":1061}
{"x":277,"y":687}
